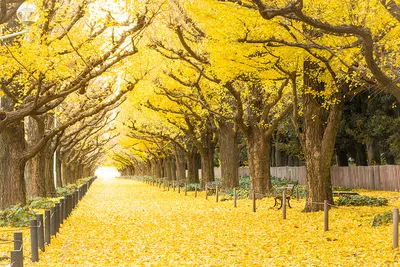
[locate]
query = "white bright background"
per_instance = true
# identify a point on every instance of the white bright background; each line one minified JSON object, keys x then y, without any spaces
{"x":107,"y":172}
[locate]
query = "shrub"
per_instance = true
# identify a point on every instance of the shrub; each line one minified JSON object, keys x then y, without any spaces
{"x":41,"y":203}
{"x":381,"y":219}
{"x":361,"y":201}
{"x":16,"y":216}
{"x":341,"y":188}
{"x":68,"y":189}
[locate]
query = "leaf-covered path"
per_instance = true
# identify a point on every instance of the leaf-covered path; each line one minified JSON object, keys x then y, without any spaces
{"x":127,"y":223}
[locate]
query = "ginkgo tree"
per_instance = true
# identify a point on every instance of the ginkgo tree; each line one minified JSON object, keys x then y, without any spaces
{"x":70,"y":47}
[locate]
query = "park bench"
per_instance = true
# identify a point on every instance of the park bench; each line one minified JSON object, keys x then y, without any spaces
{"x":289,"y":193}
{"x":212,"y":186}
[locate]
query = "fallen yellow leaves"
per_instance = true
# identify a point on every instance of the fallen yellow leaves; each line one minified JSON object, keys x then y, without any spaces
{"x":127,"y":223}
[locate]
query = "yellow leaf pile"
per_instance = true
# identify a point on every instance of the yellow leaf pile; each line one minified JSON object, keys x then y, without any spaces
{"x":128,"y":223}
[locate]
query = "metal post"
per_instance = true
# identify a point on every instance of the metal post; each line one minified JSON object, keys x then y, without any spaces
{"x":284,"y":204}
{"x":395,"y":228}
{"x":62,"y":205}
{"x":234,"y":197}
{"x":185,"y":189}
{"x":53,"y":221}
{"x":57,"y":217}
{"x":34,"y":241}
{"x":254,"y":201}
{"x":16,"y":259}
{"x":173,"y":185}
{"x":73,"y":200}
{"x":195,"y":190}
{"x":69,"y":205}
{"x":179,"y":188}
{"x":47,"y":216}
{"x":40,"y":231}
{"x":326,"y":216}
{"x":18,"y":241}
{"x":66,"y":206}
{"x":206,"y":192}
{"x":216,"y":193}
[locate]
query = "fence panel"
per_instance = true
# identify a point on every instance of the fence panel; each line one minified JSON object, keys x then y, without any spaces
{"x":384,"y":177}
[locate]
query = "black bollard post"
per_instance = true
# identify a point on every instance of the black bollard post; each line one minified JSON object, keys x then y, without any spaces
{"x":195,"y":190}
{"x":216,"y":193}
{"x":53,"y":221}
{"x":57,"y":214}
{"x":185,"y":189}
{"x":73,"y":201}
{"x":47,"y":216}
{"x":62,"y":204}
{"x":18,"y":241}
{"x":34,"y":241}
{"x":69,"y":204}
{"x":17,"y":255}
{"x":40,"y":231}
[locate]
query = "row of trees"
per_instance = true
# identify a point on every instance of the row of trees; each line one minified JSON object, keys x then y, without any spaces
{"x":241,"y":69}
{"x":59,"y":90}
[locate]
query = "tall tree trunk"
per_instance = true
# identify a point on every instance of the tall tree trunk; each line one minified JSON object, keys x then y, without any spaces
{"x":281,"y":158}
{"x":207,"y":165}
{"x":229,"y":155}
{"x":320,"y":136}
{"x":361,"y":155}
{"x":40,"y":168}
{"x":180,"y":162}
{"x":168,"y":168}
{"x":374,"y":155}
{"x":158,"y":168}
{"x":342,"y":158}
{"x":12,"y":182}
{"x":58,"y":169}
{"x":207,"y":150}
{"x":173,"y":169}
{"x":259,"y":149}
{"x":193,"y":171}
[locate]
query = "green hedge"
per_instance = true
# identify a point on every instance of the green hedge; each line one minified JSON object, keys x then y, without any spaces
{"x":361,"y":201}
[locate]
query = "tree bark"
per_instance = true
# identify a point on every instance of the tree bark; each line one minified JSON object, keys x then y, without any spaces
{"x":180,"y":161}
{"x":342,"y":158}
{"x":229,"y":155}
{"x":320,"y":136}
{"x":259,"y":149}
{"x":281,"y":158}
{"x":207,"y":165}
{"x":40,"y":168}
{"x":193,"y":170}
{"x":58,"y":169}
{"x":12,"y":182}
{"x":158,"y":168}
{"x":373,"y":153}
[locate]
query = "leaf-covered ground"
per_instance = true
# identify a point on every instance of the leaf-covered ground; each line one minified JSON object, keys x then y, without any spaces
{"x":127,"y":223}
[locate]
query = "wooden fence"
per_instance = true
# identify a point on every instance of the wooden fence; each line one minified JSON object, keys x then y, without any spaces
{"x":384,"y":177}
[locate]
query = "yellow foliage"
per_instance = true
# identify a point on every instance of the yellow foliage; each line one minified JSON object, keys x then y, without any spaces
{"x":127,"y":223}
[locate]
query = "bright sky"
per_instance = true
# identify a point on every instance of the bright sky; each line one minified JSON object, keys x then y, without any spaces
{"x":107,"y":172}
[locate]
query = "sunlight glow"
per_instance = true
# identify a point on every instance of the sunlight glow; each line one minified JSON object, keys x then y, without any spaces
{"x":107,"y":172}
